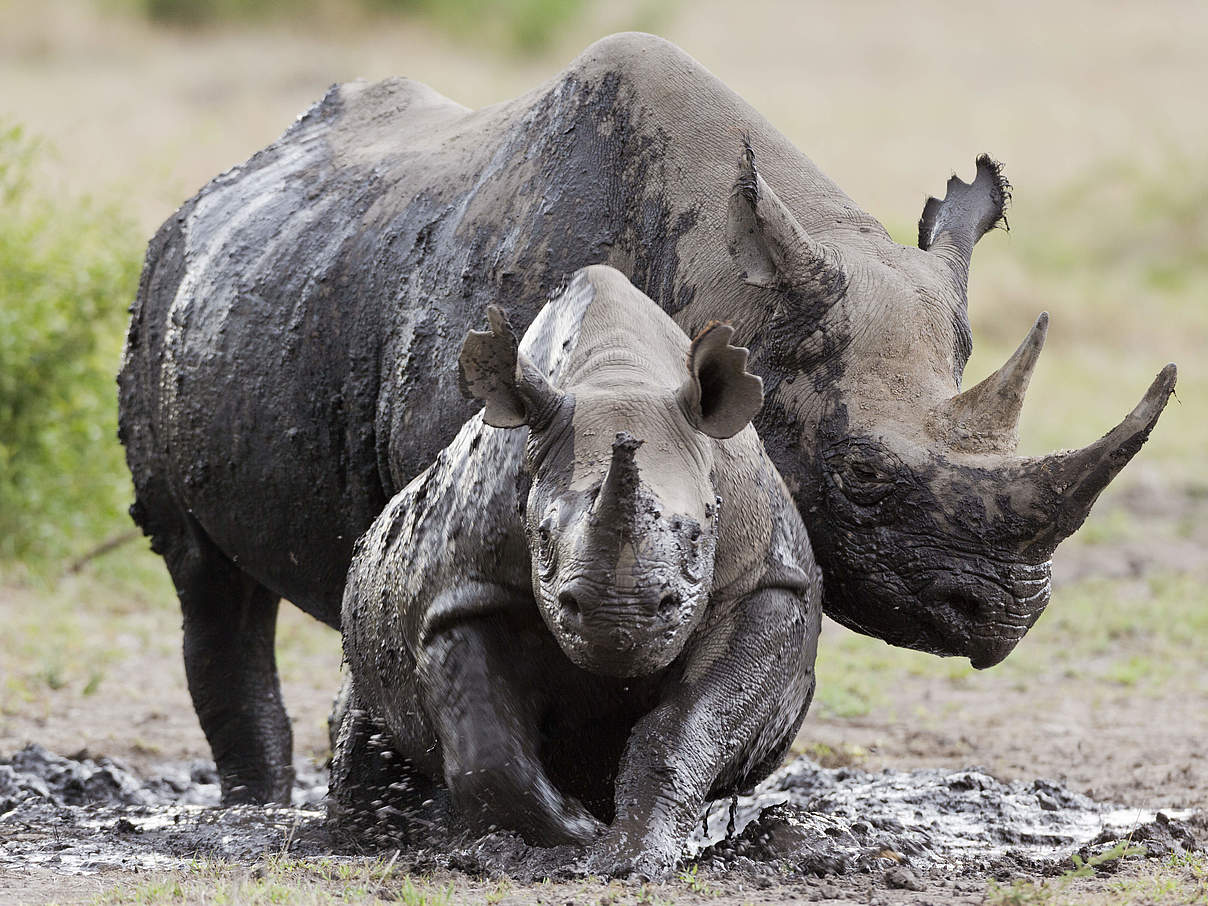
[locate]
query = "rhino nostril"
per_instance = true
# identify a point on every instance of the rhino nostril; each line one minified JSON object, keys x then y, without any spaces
{"x":963,"y":602}
{"x":569,"y":602}
{"x":668,"y":605}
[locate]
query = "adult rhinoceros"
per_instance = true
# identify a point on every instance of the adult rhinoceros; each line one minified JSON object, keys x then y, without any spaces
{"x":289,"y":365}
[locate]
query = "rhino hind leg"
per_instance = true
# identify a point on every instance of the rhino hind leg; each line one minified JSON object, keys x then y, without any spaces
{"x":230,"y":623}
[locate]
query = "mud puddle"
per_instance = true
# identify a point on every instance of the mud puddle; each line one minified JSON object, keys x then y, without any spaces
{"x":82,"y":815}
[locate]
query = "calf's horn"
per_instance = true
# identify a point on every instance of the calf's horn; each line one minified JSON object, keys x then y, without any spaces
{"x":617,"y":500}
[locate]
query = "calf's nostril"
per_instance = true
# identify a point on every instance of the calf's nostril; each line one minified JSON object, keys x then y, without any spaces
{"x":667,"y":605}
{"x":569,"y":602}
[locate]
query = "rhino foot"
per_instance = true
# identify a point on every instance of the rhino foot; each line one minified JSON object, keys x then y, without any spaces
{"x":526,"y":802}
{"x":616,"y":856}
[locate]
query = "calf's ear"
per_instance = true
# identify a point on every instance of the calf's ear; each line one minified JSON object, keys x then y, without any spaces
{"x":720,"y":397}
{"x":491,"y":368}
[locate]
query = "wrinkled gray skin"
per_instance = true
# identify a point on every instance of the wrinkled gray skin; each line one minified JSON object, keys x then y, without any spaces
{"x":640,"y":638}
{"x":287,"y":369}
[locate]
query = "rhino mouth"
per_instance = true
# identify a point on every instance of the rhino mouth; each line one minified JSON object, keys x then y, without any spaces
{"x":981,"y":618}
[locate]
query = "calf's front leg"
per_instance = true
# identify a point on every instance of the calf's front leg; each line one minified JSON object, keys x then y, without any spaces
{"x":481,"y":680}
{"x":723,"y":721}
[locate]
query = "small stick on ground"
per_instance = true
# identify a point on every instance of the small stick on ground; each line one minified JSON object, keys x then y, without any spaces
{"x":109,"y":544}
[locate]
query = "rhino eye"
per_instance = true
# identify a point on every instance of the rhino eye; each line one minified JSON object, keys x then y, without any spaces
{"x":545,"y":531}
{"x":864,"y":473}
{"x":547,"y":551}
{"x":860,"y":482}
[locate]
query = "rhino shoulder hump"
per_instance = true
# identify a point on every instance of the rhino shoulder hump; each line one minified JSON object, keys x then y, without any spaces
{"x":637,"y":56}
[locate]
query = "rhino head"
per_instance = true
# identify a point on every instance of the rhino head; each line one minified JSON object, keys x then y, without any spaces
{"x":621,"y":515}
{"x":931,"y":533}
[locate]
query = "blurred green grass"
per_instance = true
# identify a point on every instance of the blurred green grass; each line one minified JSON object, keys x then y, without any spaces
{"x":1091,"y":632}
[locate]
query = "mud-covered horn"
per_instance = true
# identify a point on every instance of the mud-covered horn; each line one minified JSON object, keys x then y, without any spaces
{"x":618,"y":494}
{"x":1077,"y":477}
{"x":770,"y":246}
{"x":950,"y":226}
{"x":986,"y":417}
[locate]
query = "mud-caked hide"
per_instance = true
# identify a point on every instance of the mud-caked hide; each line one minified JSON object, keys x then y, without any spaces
{"x":596,"y":608}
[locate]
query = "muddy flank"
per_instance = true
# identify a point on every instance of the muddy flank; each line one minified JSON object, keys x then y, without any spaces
{"x":910,"y":830}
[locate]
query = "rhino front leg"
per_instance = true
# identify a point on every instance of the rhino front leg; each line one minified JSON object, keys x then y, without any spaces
{"x":377,"y":792}
{"x":728,"y":715}
{"x":481,"y":682}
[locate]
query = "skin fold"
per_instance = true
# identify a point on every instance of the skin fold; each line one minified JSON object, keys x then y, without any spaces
{"x":639,"y":638}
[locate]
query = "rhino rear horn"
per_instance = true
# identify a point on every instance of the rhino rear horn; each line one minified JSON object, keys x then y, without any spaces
{"x":986,"y":417}
{"x":720,"y":397}
{"x":491,"y":368}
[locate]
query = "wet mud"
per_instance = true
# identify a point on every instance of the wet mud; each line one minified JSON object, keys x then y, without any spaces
{"x":81,"y":815}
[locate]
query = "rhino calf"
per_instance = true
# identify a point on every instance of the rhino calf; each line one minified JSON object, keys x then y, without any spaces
{"x":636,"y":636}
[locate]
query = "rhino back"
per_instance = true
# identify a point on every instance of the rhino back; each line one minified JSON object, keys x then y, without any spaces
{"x":290,"y":363}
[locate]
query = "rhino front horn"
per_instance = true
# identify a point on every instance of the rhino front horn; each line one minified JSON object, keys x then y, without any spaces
{"x":617,"y":500}
{"x":1076,"y":478}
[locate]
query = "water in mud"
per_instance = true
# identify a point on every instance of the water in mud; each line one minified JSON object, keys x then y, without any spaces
{"x":79,"y":815}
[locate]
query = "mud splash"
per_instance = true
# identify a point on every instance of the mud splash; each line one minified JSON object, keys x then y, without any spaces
{"x":83,"y":815}
{"x":962,"y":823}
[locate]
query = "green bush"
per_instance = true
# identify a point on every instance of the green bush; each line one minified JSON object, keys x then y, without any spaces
{"x":67,"y":275}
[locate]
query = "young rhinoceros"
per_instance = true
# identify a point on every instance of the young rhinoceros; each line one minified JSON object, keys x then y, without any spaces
{"x":636,"y":637}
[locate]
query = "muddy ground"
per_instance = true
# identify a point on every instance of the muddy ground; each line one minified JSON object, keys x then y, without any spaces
{"x":944,"y":785}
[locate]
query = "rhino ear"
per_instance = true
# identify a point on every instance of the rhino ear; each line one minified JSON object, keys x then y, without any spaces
{"x":720,"y":397}
{"x":491,"y":368}
{"x":770,"y":246}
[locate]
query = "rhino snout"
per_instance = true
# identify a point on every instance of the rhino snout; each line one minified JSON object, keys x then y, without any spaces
{"x":584,"y":606}
{"x":631,"y":632}
{"x":986,"y":617}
